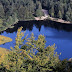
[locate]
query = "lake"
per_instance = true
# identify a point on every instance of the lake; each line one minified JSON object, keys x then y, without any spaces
{"x":58,"y":33}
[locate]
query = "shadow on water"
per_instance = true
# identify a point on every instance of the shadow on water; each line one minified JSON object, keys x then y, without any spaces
{"x":58,"y":33}
{"x":28,"y":25}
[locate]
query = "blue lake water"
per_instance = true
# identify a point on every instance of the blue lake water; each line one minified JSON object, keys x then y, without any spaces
{"x":60,"y":36}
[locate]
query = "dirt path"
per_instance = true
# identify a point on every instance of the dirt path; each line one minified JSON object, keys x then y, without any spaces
{"x":46,"y":16}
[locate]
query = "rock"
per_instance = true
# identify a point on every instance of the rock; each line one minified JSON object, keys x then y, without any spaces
{"x":70,"y":59}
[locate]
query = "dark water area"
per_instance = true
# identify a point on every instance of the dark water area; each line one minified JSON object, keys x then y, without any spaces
{"x":58,"y":33}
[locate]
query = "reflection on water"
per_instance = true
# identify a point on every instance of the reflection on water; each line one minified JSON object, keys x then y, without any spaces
{"x":28,"y":25}
{"x":60,"y":34}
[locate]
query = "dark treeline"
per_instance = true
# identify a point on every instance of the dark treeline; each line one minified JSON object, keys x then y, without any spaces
{"x":58,"y":8}
{"x":28,"y":25}
{"x":21,"y":9}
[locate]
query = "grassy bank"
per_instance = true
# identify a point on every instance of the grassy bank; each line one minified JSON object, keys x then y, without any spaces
{"x":4,"y":39}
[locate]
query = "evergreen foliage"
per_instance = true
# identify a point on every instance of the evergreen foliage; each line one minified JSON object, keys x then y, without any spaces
{"x":33,"y":56}
{"x":58,"y":8}
{"x":12,"y":11}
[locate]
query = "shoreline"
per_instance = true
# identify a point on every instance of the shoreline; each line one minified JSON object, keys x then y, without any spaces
{"x":52,"y":19}
{"x":46,"y":16}
{"x":10,"y":26}
{"x":59,"y":20}
{"x":42,"y":18}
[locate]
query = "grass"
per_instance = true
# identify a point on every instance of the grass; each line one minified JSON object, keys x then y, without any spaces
{"x":4,"y":39}
{"x":3,"y":52}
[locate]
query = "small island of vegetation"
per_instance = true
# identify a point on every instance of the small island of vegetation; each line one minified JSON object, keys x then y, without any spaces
{"x":4,"y":39}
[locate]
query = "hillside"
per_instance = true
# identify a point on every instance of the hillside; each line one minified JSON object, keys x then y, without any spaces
{"x":12,"y":11}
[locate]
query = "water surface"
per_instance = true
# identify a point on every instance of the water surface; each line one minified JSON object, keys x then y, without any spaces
{"x":57,"y":33}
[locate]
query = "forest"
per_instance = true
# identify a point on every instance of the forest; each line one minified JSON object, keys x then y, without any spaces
{"x":58,"y":8}
{"x":31,"y":54}
{"x":12,"y":11}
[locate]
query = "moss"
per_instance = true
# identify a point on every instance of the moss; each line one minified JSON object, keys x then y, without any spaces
{"x":4,"y":39}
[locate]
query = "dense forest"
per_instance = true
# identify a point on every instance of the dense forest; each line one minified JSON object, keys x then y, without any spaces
{"x":12,"y":11}
{"x":58,"y":8}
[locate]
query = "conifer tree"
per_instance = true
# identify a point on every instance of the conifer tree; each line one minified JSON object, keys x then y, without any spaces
{"x":33,"y":56}
{"x":14,"y":60}
{"x":60,"y":14}
{"x":51,"y":11}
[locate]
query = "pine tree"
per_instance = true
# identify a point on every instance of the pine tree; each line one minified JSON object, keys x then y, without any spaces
{"x":14,"y":60}
{"x":33,"y":56}
{"x":1,"y":11}
{"x":38,"y":12}
{"x":45,"y":58}
{"x":51,"y":11}
{"x":59,"y":14}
